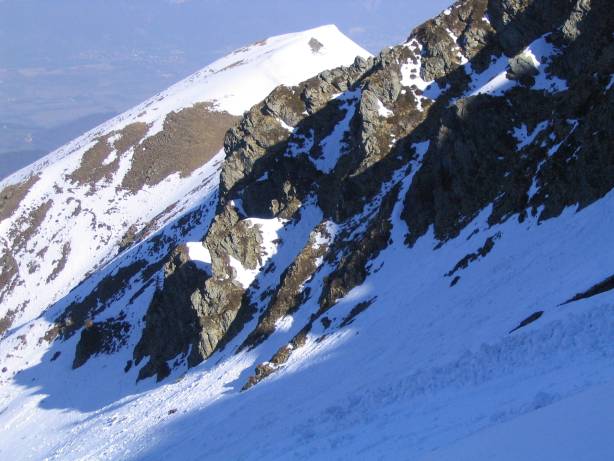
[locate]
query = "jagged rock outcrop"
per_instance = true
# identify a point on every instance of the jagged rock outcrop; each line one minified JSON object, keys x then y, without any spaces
{"x":101,"y":337}
{"x":171,"y":309}
{"x":430,"y":225}
{"x":474,"y":160}
{"x":291,"y":292}
{"x":493,"y":103}
{"x":129,"y":188}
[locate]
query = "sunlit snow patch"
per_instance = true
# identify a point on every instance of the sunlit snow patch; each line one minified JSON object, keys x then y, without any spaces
{"x":494,"y":81}
{"x":383,"y":111}
{"x":525,"y":138}
{"x":410,"y":76}
{"x":541,"y":52}
{"x":268,"y":229}
{"x":198,"y":252}
{"x":285,"y":323}
{"x":332,"y":145}
{"x":410,"y":71}
{"x":285,"y":126}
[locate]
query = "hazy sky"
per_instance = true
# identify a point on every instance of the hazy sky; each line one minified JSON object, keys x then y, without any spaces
{"x":66,"y":65}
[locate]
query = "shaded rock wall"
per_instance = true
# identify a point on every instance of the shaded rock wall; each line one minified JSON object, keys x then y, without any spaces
{"x":278,"y":158}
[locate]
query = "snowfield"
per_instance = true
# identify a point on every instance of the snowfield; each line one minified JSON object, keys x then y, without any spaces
{"x":492,"y":360}
{"x":232,"y":84}
{"x":427,"y":372}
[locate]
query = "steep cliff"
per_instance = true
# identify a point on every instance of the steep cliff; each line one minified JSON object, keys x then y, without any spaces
{"x":410,"y":253}
{"x":489,"y":106}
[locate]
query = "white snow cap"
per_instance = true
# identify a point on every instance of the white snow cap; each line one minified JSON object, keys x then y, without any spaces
{"x":233,"y":83}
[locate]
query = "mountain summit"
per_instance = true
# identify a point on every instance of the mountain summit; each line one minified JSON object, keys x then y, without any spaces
{"x":72,"y":212}
{"x":407,"y":256}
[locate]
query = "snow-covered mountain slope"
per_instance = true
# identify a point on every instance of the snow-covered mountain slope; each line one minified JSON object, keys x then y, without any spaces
{"x":406,"y":258}
{"x":72,"y":211}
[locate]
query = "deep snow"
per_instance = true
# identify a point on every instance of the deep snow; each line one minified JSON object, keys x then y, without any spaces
{"x":429,"y":371}
{"x":426,"y":367}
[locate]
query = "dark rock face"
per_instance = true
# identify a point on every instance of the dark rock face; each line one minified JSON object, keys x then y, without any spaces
{"x":315,"y":45}
{"x":523,"y":69}
{"x":530,"y":319}
{"x":101,"y":337}
{"x":474,"y":160}
{"x":601,"y":287}
{"x":535,"y":147}
{"x":519,"y":22}
{"x":228,"y":236}
{"x":479,"y":253}
{"x":77,"y":313}
{"x":171,"y":310}
{"x":464,"y":169}
{"x":352,"y":269}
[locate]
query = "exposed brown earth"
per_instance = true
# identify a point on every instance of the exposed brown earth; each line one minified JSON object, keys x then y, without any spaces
{"x":19,"y":234}
{"x":11,"y":196}
{"x":8,"y":278}
{"x":27,"y":225}
{"x":93,"y":169}
{"x":7,"y":321}
{"x":60,"y":264}
{"x":188,"y":140}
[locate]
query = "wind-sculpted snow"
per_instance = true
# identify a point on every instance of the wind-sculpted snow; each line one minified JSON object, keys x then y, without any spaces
{"x":408,"y":257}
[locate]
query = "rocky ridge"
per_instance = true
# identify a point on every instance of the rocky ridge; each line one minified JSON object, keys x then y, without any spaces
{"x":491,"y":103}
{"x":401,"y":254}
{"x":73,"y":214}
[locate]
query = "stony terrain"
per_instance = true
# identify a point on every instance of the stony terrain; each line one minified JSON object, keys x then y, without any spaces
{"x":400,"y":253}
{"x":106,"y":191}
{"x":421,"y":101}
